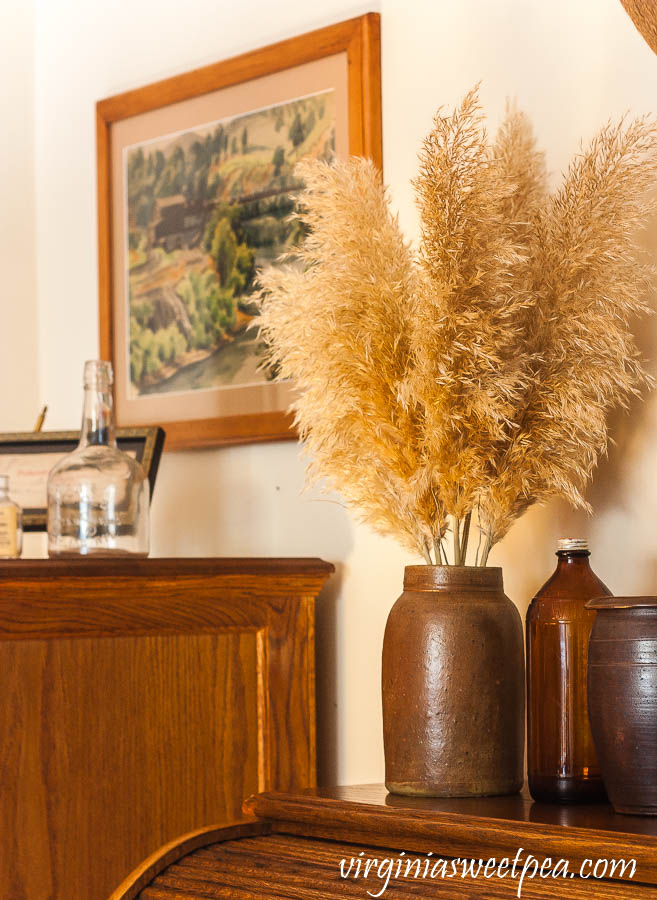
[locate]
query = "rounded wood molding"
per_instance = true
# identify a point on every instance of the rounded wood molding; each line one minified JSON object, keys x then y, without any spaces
{"x":170,"y":853}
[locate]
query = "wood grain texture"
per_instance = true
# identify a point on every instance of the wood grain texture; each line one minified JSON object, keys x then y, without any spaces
{"x":176,"y":849}
{"x":313,"y":831}
{"x":231,"y":430}
{"x":287,"y":866}
{"x":484,"y":827}
{"x":360,"y":39}
{"x":144,"y":703}
{"x":101,"y":726}
{"x":289,"y":569}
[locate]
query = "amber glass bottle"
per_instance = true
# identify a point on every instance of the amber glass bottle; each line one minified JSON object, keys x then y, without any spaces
{"x":561,"y":759}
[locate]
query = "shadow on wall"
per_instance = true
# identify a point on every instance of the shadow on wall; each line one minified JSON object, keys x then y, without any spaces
{"x":326,"y":654}
{"x":623,"y":494}
{"x":627,"y":426}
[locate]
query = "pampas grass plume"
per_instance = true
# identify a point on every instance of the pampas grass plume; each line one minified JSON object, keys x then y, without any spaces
{"x":470,"y":379}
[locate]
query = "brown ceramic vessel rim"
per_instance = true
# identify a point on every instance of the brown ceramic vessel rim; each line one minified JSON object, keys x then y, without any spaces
{"x":621,"y":602}
{"x":449,"y":578}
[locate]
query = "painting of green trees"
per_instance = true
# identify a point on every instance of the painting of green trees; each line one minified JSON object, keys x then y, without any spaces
{"x":206,"y":207}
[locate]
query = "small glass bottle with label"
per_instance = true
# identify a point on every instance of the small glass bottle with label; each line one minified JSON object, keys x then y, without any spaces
{"x":11,"y":527}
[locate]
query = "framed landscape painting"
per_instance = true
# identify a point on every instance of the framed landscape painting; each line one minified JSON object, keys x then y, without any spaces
{"x":196,"y":184}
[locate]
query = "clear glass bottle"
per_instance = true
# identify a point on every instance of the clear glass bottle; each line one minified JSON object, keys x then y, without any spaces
{"x":11,"y":526}
{"x":98,"y":496}
{"x":561,"y":761}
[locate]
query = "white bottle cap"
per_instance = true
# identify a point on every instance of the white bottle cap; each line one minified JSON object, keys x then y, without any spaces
{"x":572,"y":544}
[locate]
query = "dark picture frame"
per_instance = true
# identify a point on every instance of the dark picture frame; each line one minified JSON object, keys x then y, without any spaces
{"x":30,"y":456}
{"x":345,"y":58}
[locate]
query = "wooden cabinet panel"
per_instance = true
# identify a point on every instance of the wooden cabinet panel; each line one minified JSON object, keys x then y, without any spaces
{"x":141,"y":705}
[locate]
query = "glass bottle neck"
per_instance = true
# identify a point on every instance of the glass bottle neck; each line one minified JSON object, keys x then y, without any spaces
{"x":97,"y":419}
{"x":570,"y":558}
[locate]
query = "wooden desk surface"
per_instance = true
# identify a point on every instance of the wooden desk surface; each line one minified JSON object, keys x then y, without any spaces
{"x":101,"y":567}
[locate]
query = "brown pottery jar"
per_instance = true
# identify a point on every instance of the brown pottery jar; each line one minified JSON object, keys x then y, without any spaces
{"x":623,"y":700}
{"x":453,"y":685}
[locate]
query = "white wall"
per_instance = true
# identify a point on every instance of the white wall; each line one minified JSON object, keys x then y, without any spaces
{"x":19,"y":375}
{"x":571,"y":65}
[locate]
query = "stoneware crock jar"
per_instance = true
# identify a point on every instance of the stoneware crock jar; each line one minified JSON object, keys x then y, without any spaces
{"x":453,"y":685}
{"x":622,"y":692}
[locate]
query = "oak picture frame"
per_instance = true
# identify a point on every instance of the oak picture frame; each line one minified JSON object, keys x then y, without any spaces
{"x":359,"y":39}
